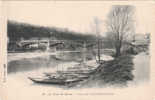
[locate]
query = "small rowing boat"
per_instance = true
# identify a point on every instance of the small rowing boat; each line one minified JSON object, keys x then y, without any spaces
{"x":63,"y":80}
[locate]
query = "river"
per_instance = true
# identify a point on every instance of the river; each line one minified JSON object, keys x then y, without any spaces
{"x":19,"y":87}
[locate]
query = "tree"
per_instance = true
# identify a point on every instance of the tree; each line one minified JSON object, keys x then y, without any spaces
{"x":120,"y":25}
{"x":97,"y":22}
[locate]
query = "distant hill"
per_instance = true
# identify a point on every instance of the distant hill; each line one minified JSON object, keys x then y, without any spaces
{"x":18,"y":30}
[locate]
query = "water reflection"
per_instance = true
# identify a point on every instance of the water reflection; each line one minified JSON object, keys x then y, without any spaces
{"x":45,"y":61}
{"x":31,"y":64}
{"x":49,"y":61}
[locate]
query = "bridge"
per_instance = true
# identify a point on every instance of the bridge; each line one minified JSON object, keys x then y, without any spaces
{"x":48,"y":44}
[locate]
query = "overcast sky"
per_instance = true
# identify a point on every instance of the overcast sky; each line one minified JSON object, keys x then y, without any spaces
{"x":77,"y":16}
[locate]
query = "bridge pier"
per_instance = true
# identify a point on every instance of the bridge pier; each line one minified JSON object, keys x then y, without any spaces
{"x":84,"y":53}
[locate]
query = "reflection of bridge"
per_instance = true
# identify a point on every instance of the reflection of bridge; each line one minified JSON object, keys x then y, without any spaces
{"x":19,"y":56}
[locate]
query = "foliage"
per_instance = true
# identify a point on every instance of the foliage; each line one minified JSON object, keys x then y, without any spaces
{"x":16,"y":31}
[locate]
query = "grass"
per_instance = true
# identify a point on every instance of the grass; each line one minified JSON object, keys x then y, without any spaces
{"x":117,"y":71}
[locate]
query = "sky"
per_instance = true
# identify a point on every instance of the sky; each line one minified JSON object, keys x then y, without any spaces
{"x":76,"y":16}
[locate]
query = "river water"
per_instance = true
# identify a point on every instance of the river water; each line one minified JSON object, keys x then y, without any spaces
{"x":21,"y":66}
{"x":26,"y":62}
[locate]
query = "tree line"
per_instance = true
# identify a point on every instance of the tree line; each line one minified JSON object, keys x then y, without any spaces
{"x":17,"y":30}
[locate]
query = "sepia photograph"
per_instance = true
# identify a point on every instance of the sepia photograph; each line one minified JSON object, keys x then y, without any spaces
{"x":73,"y":46}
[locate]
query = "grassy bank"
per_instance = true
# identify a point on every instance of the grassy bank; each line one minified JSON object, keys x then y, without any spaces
{"x":117,"y":71}
{"x":114,"y":72}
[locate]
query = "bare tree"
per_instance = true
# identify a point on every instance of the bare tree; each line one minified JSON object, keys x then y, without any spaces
{"x":120,"y":25}
{"x":97,"y":23}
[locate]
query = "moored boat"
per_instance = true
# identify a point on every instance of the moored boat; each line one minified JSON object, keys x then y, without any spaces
{"x":57,"y":81}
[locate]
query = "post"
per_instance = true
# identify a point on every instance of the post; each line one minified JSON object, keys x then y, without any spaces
{"x":99,"y":49}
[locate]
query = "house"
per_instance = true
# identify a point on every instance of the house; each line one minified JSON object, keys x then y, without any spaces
{"x":140,"y":43}
{"x":141,"y":40}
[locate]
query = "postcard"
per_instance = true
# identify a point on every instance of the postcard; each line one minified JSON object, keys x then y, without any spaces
{"x":77,"y":50}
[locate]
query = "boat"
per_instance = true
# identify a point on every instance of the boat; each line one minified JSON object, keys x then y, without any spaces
{"x":57,"y":81}
{"x":69,"y":74}
{"x":72,"y":75}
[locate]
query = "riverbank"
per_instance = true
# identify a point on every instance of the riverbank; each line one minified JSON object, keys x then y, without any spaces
{"x":125,"y":71}
{"x":116,"y":72}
